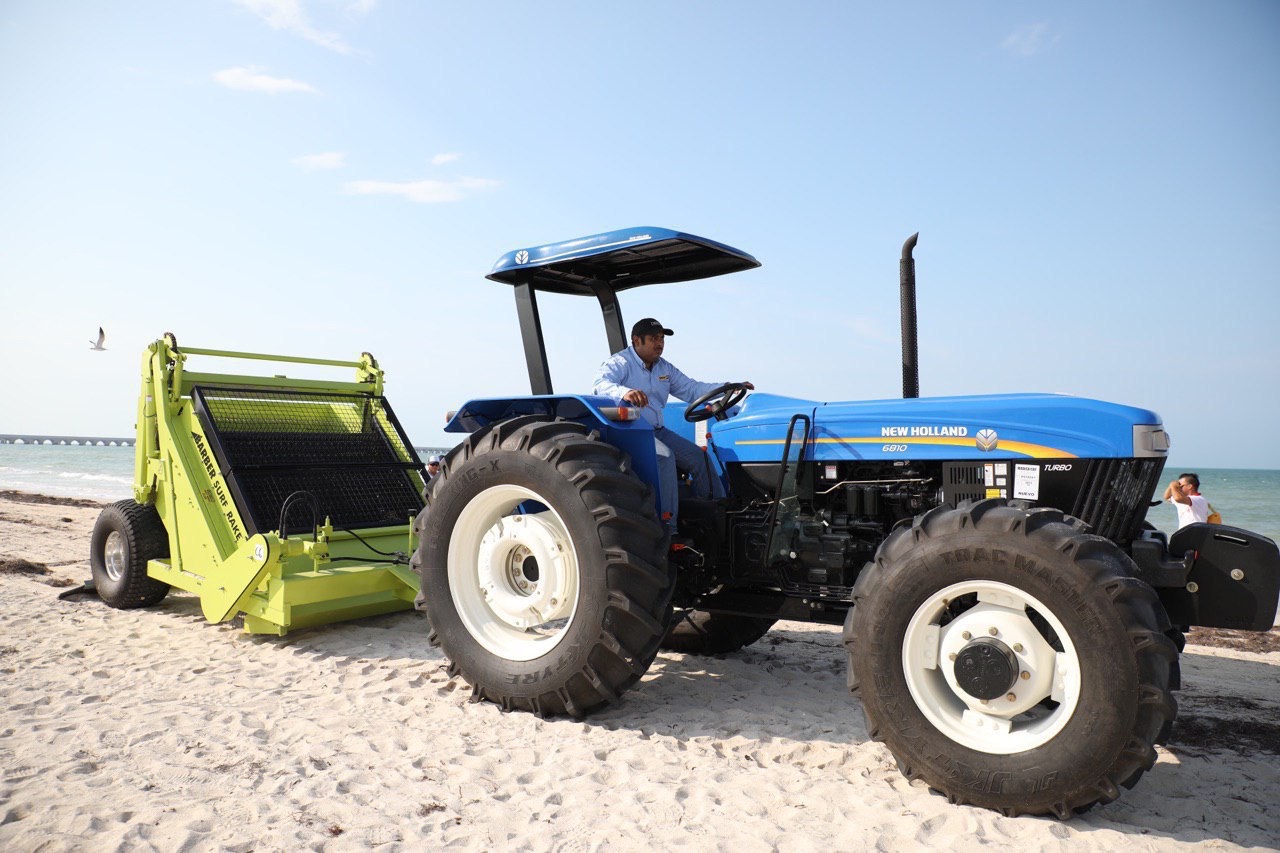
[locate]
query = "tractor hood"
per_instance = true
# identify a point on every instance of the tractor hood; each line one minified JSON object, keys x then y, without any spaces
{"x":622,"y":259}
{"x":1006,"y":426}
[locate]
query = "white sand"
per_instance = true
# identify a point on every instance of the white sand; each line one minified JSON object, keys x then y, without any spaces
{"x":151,"y":729}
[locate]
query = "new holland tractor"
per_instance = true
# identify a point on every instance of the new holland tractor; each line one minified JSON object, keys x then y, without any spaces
{"x":1012,"y":624}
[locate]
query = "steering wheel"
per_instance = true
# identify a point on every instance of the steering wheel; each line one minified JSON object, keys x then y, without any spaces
{"x":716,"y":402}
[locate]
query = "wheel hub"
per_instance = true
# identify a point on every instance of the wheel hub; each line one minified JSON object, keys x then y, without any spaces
{"x":525,"y":572}
{"x":513,"y":576}
{"x":1032,"y":661}
{"x":986,"y":668}
{"x":983,"y":677}
{"x":521,"y":569}
{"x":113,"y":555}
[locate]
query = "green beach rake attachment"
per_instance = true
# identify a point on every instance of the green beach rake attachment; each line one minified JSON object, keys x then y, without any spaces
{"x":290,"y":501}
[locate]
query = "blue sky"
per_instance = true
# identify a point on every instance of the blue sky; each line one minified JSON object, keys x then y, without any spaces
{"x":1096,"y":186}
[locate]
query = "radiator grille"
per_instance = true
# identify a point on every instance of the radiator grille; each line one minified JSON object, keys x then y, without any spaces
{"x":1113,"y":498}
{"x":348,"y":450}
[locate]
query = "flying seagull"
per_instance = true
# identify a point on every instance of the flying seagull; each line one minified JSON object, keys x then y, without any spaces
{"x":97,"y":345}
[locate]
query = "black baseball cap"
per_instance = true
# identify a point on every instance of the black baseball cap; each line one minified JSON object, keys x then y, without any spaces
{"x":649,"y":326}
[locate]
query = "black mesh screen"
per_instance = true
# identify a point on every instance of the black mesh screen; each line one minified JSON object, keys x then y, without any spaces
{"x":1113,"y":499}
{"x":963,"y":481}
{"x":347,"y":450}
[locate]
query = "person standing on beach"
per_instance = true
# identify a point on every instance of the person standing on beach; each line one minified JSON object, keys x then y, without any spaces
{"x":1184,"y":494}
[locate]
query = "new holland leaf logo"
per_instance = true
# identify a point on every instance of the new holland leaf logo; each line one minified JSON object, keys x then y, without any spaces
{"x":522,"y":257}
{"x":986,"y":439}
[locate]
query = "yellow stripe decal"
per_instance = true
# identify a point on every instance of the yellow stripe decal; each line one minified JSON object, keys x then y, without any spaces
{"x":1034,"y":451}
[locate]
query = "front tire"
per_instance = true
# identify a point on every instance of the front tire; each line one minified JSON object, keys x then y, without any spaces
{"x":1010,"y":660}
{"x":125,"y":537}
{"x":543,"y":567}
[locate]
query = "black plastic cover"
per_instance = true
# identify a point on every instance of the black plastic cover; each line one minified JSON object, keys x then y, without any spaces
{"x":1220,"y":600}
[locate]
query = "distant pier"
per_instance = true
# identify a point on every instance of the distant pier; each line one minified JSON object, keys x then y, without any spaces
{"x":81,"y":440}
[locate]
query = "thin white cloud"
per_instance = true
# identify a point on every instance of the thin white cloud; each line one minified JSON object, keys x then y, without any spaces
{"x":1029,"y":39}
{"x":441,"y":159}
{"x":424,"y":192}
{"x":327,"y":160}
{"x":252,"y":80}
{"x":288,"y":15}
{"x":361,"y":7}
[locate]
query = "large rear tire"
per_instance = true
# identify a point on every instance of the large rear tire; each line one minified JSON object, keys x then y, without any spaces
{"x":126,"y":536}
{"x":1010,"y":659}
{"x":543,"y":567}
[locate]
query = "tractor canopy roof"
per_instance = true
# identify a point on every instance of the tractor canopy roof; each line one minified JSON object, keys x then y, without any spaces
{"x":620,"y":259}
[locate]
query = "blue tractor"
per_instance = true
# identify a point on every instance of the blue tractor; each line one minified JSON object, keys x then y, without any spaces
{"x":1012,"y":623}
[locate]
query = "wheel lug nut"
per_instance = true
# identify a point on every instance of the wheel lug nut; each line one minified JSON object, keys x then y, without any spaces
{"x":1024,"y":675}
{"x":965,"y":635}
{"x":1012,"y":697}
{"x":951,"y":656}
{"x":1017,"y":647}
{"x":993,"y":632}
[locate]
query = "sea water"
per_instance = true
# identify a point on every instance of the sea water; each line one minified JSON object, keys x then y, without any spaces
{"x":79,"y":471}
{"x":68,"y":471}
{"x":1247,"y":498}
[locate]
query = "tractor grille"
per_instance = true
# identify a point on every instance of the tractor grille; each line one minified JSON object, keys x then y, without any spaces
{"x":347,"y":450}
{"x":1113,"y":498}
{"x":1109,"y":494}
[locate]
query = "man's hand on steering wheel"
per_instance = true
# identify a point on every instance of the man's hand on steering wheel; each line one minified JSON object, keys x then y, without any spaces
{"x":716,"y":402}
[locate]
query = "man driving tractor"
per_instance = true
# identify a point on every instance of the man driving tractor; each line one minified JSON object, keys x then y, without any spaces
{"x":640,"y":376}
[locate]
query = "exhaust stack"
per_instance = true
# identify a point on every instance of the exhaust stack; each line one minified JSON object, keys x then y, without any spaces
{"x":910,"y":351}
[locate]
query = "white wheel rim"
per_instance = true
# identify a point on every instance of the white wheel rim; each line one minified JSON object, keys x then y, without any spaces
{"x":1003,"y":725}
{"x":513,"y":577}
{"x":113,"y":555}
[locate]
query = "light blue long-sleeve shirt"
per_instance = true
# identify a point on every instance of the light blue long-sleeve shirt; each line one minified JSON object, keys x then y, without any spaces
{"x":624,"y":371}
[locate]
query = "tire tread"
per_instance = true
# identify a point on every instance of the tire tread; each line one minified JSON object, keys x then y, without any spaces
{"x":1105,"y":568}
{"x":631,"y":542}
{"x":146,"y":540}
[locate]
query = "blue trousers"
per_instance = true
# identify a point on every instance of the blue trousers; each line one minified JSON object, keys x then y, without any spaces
{"x":677,"y":453}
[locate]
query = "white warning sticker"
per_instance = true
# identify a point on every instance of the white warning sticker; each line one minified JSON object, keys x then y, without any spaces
{"x":1026,"y":482}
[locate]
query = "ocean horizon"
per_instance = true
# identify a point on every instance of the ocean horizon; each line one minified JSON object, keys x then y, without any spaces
{"x":1246,"y":497}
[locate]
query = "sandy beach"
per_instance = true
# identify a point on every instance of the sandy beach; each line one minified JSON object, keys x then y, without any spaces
{"x":151,"y":729}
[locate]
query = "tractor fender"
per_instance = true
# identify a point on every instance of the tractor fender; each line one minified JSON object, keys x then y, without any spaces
{"x":633,"y":437}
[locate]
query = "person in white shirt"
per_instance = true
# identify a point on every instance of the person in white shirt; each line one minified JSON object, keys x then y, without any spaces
{"x":641,"y":377}
{"x":1192,"y":506}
